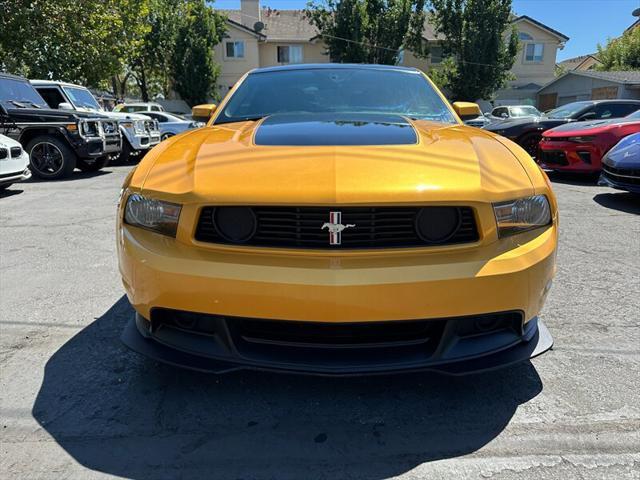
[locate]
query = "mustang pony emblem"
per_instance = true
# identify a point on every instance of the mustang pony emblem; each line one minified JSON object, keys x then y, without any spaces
{"x":335,"y":227}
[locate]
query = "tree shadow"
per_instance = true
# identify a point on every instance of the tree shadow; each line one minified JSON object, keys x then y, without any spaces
{"x":623,"y":201}
{"x":116,"y":412}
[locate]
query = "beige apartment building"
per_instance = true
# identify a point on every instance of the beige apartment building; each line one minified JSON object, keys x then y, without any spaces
{"x":262,"y":37}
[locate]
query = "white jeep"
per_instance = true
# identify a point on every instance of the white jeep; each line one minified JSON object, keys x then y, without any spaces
{"x":139,"y":132}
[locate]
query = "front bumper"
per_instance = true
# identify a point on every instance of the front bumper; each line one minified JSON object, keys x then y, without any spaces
{"x":569,"y":157}
{"x":226,"y":350}
{"x":620,"y":182}
{"x":509,"y":275}
{"x":14,"y":177}
{"x":143,"y":141}
{"x":95,"y":147}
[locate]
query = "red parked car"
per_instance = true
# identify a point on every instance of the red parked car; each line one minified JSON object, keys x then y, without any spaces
{"x":580,"y":146}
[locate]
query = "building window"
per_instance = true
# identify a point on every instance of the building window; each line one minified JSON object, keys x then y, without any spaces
{"x":234,"y":49}
{"x":534,"y":52}
{"x":525,"y":36}
{"x":290,"y":54}
{"x":436,"y":54}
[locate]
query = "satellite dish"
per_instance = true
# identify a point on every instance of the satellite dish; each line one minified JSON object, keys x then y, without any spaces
{"x":258,"y":26}
{"x":636,"y":12}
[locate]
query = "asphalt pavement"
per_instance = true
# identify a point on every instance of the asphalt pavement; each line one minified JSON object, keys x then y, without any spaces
{"x":75,"y":404}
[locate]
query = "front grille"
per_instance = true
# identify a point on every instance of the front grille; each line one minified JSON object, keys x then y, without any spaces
{"x":553,"y":158}
{"x":375,"y":227}
{"x":630,"y":176}
{"x":16,"y":152}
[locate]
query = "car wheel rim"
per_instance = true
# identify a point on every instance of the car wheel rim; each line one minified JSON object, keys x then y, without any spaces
{"x":47,"y":158}
{"x":165,"y":136}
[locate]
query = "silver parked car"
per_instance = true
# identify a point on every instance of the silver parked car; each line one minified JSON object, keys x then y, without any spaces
{"x":171,"y":124}
{"x":508,"y":112}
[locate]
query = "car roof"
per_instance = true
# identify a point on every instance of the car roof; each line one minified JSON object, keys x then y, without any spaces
{"x":12,"y":76}
{"x":56,"y":82}
{"x":334,"y":66}
{"x":139,"y":104}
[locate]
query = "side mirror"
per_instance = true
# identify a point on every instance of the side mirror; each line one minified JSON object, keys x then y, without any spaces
{"x":467,"y":110}
{"x":65,"y":106}
{"x":202,"y":113}
{"x":504,"y":115}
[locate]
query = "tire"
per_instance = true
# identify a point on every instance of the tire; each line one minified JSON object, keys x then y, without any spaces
{"x":50,"y":158}
{"x":530,"y":143}
{"x":164,"y":136}
{"x":126,"y":151}
{"x":97,"y":164}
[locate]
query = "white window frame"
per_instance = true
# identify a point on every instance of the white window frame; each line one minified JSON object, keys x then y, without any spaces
{"x":534,"y":45}
{"x":235,"y":56}
{"x":290,"y":46}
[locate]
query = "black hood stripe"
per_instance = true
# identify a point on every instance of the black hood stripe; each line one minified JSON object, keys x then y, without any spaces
{"x":330,"y":129}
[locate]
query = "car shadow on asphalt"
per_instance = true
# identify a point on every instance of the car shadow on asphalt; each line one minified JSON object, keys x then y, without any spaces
{"x":622,"y":201}
{"x":116,"y":412}
{"x":569,"y":178}
{"x":10,"y":192}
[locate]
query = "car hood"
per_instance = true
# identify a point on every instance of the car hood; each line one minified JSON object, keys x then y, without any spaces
{"x":588,"y":127}
{"x":525,"y":122}
{"x":346,"y":161}
{"x":120,"y":116}
{"x":51,"y":115}
{"x":7,"y":142}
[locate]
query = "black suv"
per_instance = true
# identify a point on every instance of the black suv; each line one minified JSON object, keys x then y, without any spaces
{"x":57,"y":141}
{"x":527,"y":132}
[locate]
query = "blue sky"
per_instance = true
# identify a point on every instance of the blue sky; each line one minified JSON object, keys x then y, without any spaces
{"x":585,"y":22}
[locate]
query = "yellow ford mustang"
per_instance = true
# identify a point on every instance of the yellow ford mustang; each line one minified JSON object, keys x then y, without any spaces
{"x":337,"y":219}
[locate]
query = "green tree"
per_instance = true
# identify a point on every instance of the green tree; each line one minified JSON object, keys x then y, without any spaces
{"x":84,"y":42}
{"x":369,"y":31}
{"x":480,"y":58}
{"x":621,"y":53}
{"x":151,"y":68}
{"x":194,"y":69}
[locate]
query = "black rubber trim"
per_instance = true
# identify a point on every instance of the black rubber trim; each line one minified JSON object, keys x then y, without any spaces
{"x":540,"y":342}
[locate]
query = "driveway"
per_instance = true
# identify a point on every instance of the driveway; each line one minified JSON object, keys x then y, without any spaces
{"x":76,"y":404}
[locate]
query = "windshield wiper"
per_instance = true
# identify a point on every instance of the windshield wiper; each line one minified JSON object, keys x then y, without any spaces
{"x":254,"y":118}
{"x":18,"y":104}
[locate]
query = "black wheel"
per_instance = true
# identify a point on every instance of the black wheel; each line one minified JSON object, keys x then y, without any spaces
{"x":93,"y":165}
{"x":50,"y":158}
{"x":164,"y":136}
{"x":126,"y":151}
{"x":530,"y":143}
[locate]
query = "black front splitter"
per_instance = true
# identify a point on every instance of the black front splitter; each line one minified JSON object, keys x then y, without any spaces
{"x":538,"y":344}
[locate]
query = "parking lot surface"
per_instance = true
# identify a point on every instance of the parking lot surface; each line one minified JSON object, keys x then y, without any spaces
{"x":76,"y":404}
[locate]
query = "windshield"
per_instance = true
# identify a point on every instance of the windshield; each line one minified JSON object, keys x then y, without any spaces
{"x":17,"y":93}
{"x":569,"y":110}
{"x":335,"y":90}
{"x":524,"y":112}
{"x":635,"y":115}
{"x":82,"y":98}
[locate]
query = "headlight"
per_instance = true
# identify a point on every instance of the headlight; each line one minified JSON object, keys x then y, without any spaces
{"x":89,"y":129}
{"x":156,"y":215}
{"x":586,"y":139}
{"x":138,"y":126}
{"x":517,"y":216}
